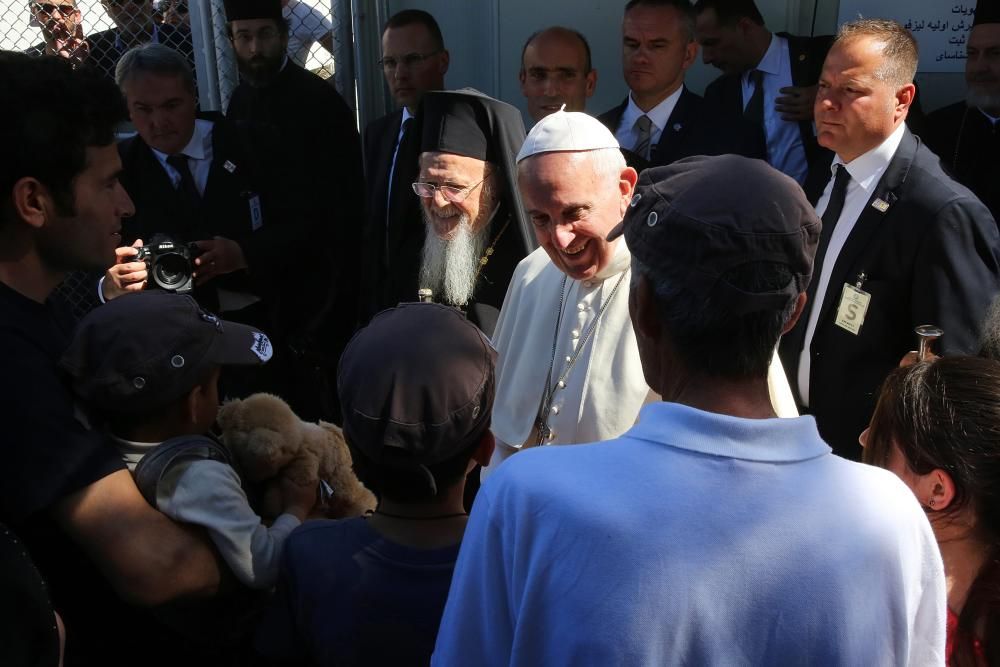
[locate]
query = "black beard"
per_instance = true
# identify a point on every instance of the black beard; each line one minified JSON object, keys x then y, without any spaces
{"x":260,"y":70}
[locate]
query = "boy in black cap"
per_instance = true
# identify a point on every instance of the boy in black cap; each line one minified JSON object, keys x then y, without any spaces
{"x":147,"y":364}
{"x":417,"y":387}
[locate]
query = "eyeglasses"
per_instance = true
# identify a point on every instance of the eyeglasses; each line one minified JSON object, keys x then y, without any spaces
{"x":451,"y":193}
{"x":50,"y":8}
{"x":408,"y":60}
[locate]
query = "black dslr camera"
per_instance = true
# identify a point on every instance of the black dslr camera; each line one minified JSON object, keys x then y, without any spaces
{"x":169,"y":263}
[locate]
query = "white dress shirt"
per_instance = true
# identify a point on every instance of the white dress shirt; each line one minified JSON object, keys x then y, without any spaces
{"x":627,"y":133}
{"x":866,"y":170}
{"x":199,"y":154}
{"x":785,"y":151}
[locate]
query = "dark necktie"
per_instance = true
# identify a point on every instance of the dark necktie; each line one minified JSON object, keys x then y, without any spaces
{"x":830,"y":217}
{"x":754,"y":110}
{"x":645,"y":126}
{"x":186,"y":188}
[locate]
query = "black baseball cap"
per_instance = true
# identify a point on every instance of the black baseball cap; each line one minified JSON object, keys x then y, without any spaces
{"x":143,"y":351}
{"x":416,"y":385}
{"x":696,"y":219}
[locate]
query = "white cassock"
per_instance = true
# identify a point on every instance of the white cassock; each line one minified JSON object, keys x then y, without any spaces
{"x":605,"y":387}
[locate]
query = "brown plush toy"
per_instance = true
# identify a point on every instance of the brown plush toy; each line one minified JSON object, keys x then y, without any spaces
{"x":267,"y":439}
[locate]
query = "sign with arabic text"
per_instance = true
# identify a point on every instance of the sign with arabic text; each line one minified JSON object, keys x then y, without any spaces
{"x":941,"y":29}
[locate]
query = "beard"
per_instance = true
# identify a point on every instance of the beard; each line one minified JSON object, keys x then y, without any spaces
{"x":449,"y":266}
{"x":983,"y":95}
{"x":260,"y":70}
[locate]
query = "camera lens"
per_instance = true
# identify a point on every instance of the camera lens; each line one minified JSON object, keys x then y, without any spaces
{"x":171,"y":271}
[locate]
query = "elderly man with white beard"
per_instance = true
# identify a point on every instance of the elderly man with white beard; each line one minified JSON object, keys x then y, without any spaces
{"x":568,"y":368}
{"x":477,"y":231}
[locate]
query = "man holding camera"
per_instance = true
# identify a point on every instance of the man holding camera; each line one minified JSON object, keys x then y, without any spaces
{"x":214,"y":190}
{"x":104,"y":552}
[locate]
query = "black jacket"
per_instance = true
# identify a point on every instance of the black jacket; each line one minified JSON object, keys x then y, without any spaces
{"x":930,"y":258}
{"x":246,"y":163}
{"x":806,"y":55}
{"x":394,"y":227}
{"x":319,"y":136}
{"x":969,"y":147}
{"x":693,"y":129}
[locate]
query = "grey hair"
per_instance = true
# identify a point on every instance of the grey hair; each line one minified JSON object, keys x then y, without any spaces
{"x":607,"y":163}
{"x":899,"y":48}
{"x":683,"y":7}
{"x":154,"y":59}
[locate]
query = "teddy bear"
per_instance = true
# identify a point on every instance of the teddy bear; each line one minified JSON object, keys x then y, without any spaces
{"x":267,"y":439}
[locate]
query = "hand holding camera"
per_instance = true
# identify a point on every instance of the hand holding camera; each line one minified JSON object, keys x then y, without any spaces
{"x":171,"y":265}
{"x":129,"y":274}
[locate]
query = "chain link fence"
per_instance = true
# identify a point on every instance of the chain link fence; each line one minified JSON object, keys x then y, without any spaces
{"x":98,"y":32}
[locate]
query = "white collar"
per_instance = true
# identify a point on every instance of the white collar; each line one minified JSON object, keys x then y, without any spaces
{"x":659,"y":114}
{"x":197,"y":147}
{"x":866,"y":168}
{"x":771,"y":62}
{"x":406,"y":115}
{"x":621,"y":260}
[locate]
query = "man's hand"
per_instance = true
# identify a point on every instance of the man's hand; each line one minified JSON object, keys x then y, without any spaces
{"x":125,"y":276}
{"x":72,"y":47}
{"x":796,"y":103}
{"x":218,"y":257}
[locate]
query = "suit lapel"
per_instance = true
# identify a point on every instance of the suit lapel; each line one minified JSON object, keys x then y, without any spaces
{"x":403,"y":205}
{"x":386,"y":147}
{"x":732,"y":94}
{"x":859,"y":243}
{"x":613,"y":117}
{"x":666,"y":149}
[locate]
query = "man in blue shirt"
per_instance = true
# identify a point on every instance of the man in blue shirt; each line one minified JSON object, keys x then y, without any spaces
{"x":711,"y":532}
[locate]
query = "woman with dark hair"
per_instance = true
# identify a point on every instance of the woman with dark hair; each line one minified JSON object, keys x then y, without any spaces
{"x":937,"y":426}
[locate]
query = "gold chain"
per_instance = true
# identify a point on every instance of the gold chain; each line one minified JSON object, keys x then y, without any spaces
{"x":485,"y":259}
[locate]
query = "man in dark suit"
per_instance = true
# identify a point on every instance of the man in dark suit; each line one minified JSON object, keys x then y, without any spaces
{"x":767,"y":78}
{"x":133,"y":26}
{"x":661,"y":120}
{"x":414,"y":61}
{"x":902,"y":244}
{"x":220,"y":186}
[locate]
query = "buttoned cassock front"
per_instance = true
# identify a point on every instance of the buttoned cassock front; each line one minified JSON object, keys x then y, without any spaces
{"x":605,"y":389}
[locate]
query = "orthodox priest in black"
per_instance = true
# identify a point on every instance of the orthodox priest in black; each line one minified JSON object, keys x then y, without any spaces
{"x":320,"y":136}
{"x":476,"y":227}
{"x":966,"y":135}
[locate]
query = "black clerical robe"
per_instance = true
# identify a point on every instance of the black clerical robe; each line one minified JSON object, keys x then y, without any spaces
{"x":968,"y":144}
{"x":319,"y":134}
